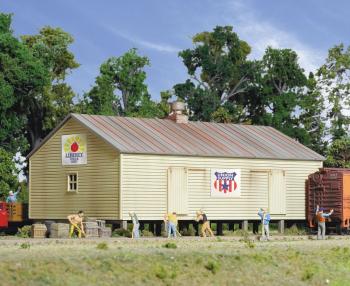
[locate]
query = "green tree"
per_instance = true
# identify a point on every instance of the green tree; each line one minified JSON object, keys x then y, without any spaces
{"x":338,"y":154}
{"x":311,"y":117}
{"x":219,"y":74}
{"x":8,"y":173}
{"x":334,"y":81}
{"x":22,"y":78}
{"x":163,"y":105}
{"x":282,"y":88}
{"x":47,"y":108}
{"x":120,"y":88}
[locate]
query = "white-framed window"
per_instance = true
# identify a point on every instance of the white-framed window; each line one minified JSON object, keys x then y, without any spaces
{"x":72,"y":182}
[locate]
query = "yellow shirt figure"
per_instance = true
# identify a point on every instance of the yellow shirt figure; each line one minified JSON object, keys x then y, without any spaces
{"x":172,"y":218}
{"x":171,"y":221}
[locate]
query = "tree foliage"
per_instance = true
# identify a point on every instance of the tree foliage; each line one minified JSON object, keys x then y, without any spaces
{"x":47,"y":108}
{"x":311,"y":117}
{"x":334,"y":81}
{"x":120,"y":88}
{"x":282,"y":89}
{"x":219,"y":73}
{"x":8,"y":173}
{"x":22,"y":77}
{"x":338,"y":154}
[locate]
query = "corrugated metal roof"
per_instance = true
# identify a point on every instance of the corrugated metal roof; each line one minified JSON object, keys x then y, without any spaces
{"x":165,"y":137}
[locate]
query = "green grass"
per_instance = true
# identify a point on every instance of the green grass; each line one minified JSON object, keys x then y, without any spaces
{"x":102,"y":246}
{"x":171,"y":245}
{"x":194,"y":261}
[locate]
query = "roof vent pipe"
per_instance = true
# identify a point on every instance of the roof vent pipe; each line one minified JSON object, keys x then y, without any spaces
{"x":176,"y":114}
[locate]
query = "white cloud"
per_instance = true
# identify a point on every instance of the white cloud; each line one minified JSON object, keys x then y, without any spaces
{"x":261,"y":33}
{"x":160,"y":47}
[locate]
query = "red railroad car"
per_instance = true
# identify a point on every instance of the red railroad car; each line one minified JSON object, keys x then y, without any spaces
{"x":12,"y":216}
{"x":330,"y":189}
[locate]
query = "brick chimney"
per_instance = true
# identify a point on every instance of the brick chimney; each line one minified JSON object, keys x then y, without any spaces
{"x":176,"y":115}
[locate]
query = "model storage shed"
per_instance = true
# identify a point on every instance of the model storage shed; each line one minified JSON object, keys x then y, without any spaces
{"x":110,"y":166}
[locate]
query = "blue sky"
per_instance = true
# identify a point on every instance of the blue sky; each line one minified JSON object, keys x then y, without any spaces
{"x":159,"y":29}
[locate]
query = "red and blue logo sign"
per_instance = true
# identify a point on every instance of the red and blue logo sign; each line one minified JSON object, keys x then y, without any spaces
{"x":225,"y":183}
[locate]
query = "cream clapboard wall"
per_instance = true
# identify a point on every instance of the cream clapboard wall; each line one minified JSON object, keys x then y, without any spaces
{"x":98,"y":180}
{"x":144,"y":186}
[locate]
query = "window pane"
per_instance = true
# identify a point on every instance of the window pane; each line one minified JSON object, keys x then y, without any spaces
{"x":72,"y":182}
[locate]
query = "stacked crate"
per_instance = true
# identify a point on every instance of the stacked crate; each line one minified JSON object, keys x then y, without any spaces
{"x":59,"y":230}
{"x":103,"y":231}
{"x":38,"y":230}
{"x":91,"y":229}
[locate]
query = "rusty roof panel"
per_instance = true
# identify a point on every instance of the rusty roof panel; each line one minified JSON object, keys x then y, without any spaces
{"x":163,"y":136}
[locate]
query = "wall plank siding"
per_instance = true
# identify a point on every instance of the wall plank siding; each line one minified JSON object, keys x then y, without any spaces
{"x":98,"y":180}
{"x":145,"y":186}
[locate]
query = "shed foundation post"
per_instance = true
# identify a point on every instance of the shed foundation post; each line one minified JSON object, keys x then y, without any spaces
{"x":231,"y":226}
{"x":163,"y":229}
{"x":255,"y":227}
{"x":142,"y":226}
{"x":245,"y":225}
{"x":219,"y":228}
{"x":158,"y":229}
{"x":196,"y":227}
{"x":124,"y":224}
{"x":151,"y":227}
{"x":281,"y":226}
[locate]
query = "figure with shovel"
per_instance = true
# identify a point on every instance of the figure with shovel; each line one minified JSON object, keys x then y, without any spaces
{"x":76,"y":224}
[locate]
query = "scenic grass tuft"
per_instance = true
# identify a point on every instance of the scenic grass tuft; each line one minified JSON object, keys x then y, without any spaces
{"x":171,"y":245}
{"x":102,"y":246}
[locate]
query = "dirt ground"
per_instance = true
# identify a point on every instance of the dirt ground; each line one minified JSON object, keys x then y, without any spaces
{"x":286,"y":260}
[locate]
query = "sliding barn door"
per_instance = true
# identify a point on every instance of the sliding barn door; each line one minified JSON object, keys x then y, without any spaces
{"x":177,"y":190}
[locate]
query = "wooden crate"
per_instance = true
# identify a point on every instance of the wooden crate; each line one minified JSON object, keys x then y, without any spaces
{"x":101,"y":223}
{"x":59,"y":230}
{"x":38,"y":230}
{"x":104,"y":232}
{"x":91,"y":229}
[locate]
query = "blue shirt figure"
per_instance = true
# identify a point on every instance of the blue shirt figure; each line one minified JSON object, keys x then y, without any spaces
{"x":12,"y":197}
{"x":265,"y":216}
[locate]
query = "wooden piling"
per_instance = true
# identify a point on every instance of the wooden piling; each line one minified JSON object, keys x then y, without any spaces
{"x":281,"y":226}
{"x":158,"y":229}
{"x":219,"y":228}
{"x":245,"y":225}
{"x":256,"y":227}
{"x":124,"y":224}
